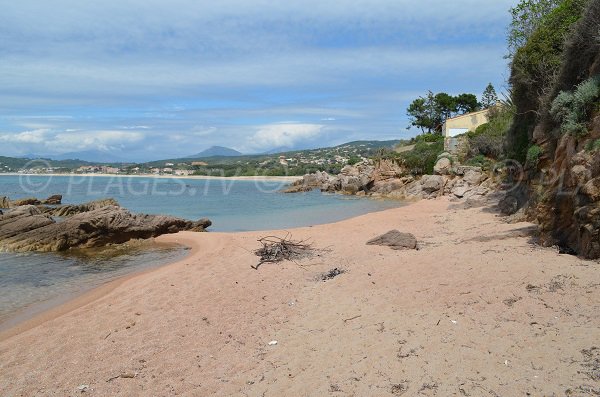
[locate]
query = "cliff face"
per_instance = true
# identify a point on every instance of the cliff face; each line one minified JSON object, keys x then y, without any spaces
{"x":564,"y":168}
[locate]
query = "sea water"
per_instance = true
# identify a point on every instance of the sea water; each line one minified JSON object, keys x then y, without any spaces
{"x":232,"y":205}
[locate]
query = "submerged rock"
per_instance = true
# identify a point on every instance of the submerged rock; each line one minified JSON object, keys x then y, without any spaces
{"x":55,"y":199}
{"x":25,"y":201}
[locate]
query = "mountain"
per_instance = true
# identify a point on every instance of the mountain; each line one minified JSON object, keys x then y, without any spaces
{"x":215,"y":151}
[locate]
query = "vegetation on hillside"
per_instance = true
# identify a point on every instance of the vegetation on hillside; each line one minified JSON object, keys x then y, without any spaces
{"x":535,"y":66}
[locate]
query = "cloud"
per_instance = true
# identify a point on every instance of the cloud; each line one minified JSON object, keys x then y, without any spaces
{"x":55,"y":142}
{"x":283,"y":135}
{"x":187,"y":74}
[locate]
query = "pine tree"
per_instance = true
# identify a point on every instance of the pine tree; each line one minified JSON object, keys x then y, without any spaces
{"x":489,"y":97}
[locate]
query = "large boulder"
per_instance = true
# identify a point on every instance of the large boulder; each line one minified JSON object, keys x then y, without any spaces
{"x":395,"y":240}
{"x":442,"y":166}
{"x":351,"y":185}
{"x":473,"y":177}
{"x":28,"y":229}
{"x":432,"y":183}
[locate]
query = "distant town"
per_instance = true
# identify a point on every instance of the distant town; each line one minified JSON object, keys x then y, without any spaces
{"x":287,"y":163}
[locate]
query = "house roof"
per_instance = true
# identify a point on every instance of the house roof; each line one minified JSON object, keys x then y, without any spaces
{"x":468,"y":114}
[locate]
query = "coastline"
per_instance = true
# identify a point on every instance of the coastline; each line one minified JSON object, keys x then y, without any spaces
{"x":39,"y":312}
{"x":442,"y":315}
{"x":191,"y":177}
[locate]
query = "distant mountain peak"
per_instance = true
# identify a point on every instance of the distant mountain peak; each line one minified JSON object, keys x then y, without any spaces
{"x":214,"y":151}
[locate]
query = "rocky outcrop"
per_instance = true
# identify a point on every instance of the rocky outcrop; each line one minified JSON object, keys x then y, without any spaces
{"x":25,"y":201}
{"x":396,"y":240}
{"x":30,"y":228}
{"x":74,"y":209}
{"x":385,"y":179}
{"x":562,"y":181}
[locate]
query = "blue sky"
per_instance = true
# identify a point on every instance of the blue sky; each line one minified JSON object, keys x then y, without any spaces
{"x":158,"y":79}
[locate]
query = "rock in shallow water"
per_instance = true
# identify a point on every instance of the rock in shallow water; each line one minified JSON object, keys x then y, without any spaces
{"x":28,"y":229}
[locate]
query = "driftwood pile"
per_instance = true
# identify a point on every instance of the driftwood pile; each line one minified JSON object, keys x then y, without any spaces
{"x":277,"y":249}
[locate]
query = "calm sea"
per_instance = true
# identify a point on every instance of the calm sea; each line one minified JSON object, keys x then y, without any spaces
{"x":232,"y":205}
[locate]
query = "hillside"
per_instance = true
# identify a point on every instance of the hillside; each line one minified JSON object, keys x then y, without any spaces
{"x":13,"y":164}
{"x":299,"y":162}
{"x":558,"y":134}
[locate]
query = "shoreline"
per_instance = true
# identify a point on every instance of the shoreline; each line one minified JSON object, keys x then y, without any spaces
{"x":443,"y":316}
{"x":66,"y":304}
{"x":191,"y":177}
{"x":24,"y":320}
{"x":36,"y":313}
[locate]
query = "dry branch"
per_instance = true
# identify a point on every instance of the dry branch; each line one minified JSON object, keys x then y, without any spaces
{"x":276,"y":249}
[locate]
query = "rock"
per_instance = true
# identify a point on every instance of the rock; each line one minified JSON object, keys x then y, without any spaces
{"x":442,"y":166}
{"x":460,"y":190}
{"x":349,"y":170}
{"x":28,"y":229}
{"x":473,"y":177}
{"x":395,"y":240}
{"x":591,"y":189}
{"x":201,"y":225}
{"x":432,"y":183}
{"x":53,"y":200}
{"x":4,"y":202}
{"x":22,"y":219}
{"x":509,"y":205}
{"x":463,"y":169}
{"x":70,"y":210}
{"x":297,"y":189}
{"x":351,"y":185}
{"x":25,"y":201}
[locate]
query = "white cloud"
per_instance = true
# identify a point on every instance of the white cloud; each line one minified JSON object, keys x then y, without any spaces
{"x":38,"y":136}
{"x":283,"y":135}
{"x":54,"y":142}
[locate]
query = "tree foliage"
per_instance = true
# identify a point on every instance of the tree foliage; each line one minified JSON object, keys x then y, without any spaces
{"x":429,"y":113}
{"x":489,"y":96}
{"x":526,"y":18}
{"x":534,"y":68}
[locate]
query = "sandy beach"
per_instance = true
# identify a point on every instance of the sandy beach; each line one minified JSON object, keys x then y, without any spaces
{"x":165,"y":176}
{"x":477,"y":310}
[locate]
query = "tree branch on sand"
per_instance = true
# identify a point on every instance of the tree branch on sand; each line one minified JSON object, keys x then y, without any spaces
{"x":277,"y":249}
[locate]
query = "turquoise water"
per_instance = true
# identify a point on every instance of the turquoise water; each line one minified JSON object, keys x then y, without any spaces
{"x":232,"y":205}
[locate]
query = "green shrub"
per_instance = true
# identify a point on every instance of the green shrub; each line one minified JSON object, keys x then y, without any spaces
{"x":533,"y":69}
{"x":480,"y":161}
{"x":593,"y":146}
{"x":422,"y":158}
{"x":428,"y":137}
{"x":489,"y":138}
{"x":573,"y":109}
{"x":533,"y":155}
{"x":353,"y":160}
